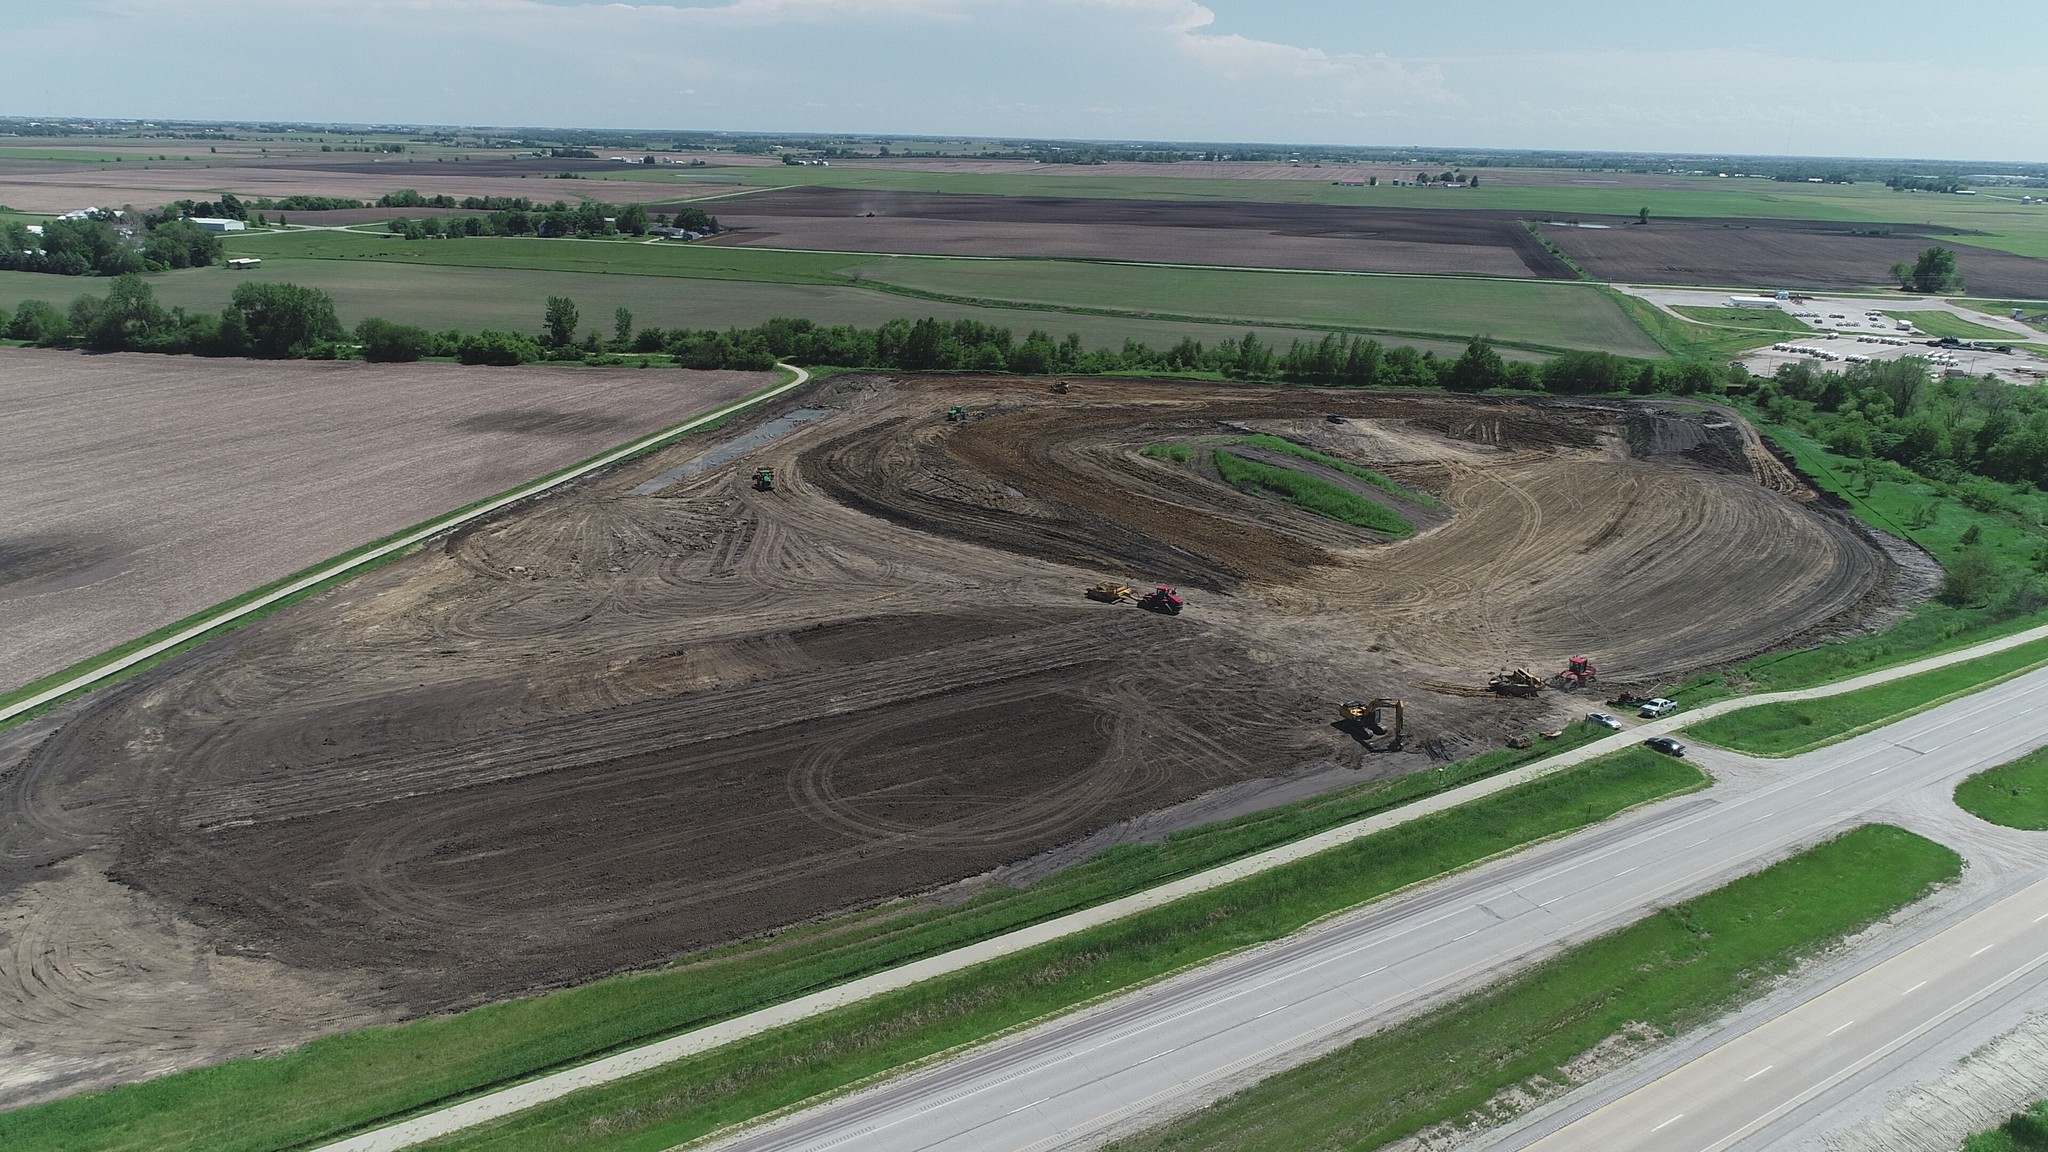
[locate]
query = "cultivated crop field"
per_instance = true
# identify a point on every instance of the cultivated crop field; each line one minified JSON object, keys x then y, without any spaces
{"x":664,"y":711}
{"x":139,"y":489}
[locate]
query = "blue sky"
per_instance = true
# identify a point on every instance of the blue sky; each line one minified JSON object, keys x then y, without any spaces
{"x":1873,"y":77}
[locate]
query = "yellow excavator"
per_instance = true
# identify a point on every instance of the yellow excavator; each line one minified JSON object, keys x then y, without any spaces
{"x":1363,"y":716}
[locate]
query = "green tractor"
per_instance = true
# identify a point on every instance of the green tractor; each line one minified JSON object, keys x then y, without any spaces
{"x":955,"y":414}
{"x":764,"y":479}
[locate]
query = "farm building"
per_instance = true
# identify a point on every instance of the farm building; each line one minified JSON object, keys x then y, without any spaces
{"x":244,"y":262}
{"x":218,"y":223}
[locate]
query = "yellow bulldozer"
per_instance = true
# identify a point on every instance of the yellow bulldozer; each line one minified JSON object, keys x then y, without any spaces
{"x":1362,"y":717}
{"x":1519,"y":682}
{"x":1110,"y":592}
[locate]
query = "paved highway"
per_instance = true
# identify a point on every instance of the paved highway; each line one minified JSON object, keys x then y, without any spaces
{"x":1184,"y":1041}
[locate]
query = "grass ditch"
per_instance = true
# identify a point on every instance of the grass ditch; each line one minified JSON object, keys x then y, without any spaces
{"x":2014,"y":795}
{"x":1938,"y":324}
{"x":1310,"y":494}
{"x":2022,"y":1132}
{"x":1790,"y":727}
{"x":343,"y":1083}
{"x":1672,"y":971}
{"x":1171,"y":453}
{"x":1289,"y":447}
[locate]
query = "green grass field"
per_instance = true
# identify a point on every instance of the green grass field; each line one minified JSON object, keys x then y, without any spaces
{"x":1310,"y":493}
{"x":1940,"y":324}
{"x":1789,"y":728}
{"x":1681,"y":338}
{"x":1671,"y":972}
{"x":331,"y":1085}
{"x":1764,"y":319}
{"x":1277,"y":444}
{"x":2015,"y":794}
{"x":1534,"y":314}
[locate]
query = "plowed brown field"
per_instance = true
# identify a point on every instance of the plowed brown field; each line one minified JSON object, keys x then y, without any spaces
{"x":597,"y":732}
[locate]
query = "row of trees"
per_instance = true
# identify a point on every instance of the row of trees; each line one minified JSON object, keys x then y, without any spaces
{"x":267,"y":321}
{"x":96,"y":246}
{"x":587,"y":219}
{"x":284,"y":320}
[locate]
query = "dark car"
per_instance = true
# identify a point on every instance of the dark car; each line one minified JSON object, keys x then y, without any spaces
{"x":1665,"y":744}
{"x":1334,"y":418}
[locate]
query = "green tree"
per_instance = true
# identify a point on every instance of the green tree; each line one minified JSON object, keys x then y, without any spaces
{"x":633,"y":219}
{"x":1934,"y":271}
{"x":283,"y":320}
{"x":387,"y":343}
{"x":558,"y":326}
{"x":499,"y":348}
{"x":1971,"y":579}
{"x":128,"y":319}
{"x":622,"y":328}
{"x":39,"y":322}
{"x":1478,"y":369}
{"x":180,"y":244}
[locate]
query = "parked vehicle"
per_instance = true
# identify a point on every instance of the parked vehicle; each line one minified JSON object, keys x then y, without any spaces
{"x":1664,"y":744}
{"x":1658,"y":706}
{"x":1603,"y":719}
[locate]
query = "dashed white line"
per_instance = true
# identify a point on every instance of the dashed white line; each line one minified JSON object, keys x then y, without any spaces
{"x":1842,"y":1025}
{"x":1910,"y":991}
{"x":1981,"y":951}
{"x":1758,"y":1072}
{"x":1668,"y":1123}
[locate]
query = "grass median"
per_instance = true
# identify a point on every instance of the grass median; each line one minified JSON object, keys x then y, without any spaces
{"x":2014,"y":795}
{"x":347,"y":1082}
{"x":1794,"y":726}
{"x":1310,"y":494}
{"x":1674,"y":970}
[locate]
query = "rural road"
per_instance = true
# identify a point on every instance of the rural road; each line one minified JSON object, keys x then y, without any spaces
{"x":1798,"y":1066}
{"x":1176,"y":1045}
{"x":221,"y":617}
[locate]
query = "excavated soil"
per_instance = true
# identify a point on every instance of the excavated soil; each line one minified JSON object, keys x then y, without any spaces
{"x":607,"y":728}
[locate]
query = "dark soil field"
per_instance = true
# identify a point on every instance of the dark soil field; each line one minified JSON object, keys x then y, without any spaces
{"x":608,"y":728}
{"x":1784,"y":254}
{"x":139,"y":489}
{"x":1244,"y":234}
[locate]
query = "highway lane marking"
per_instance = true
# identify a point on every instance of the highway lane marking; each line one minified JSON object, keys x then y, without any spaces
{"x":1842,"y":1025}
{"x":1989,"y":947}
{"x":1758,"y":1072}
{"x":1669,"y":1123}
{"x":1907,"y":992}
{"x":2041,"y":917}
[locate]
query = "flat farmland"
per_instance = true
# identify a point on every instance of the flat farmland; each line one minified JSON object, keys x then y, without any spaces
{"x":1247,"y":234}
{"x":1797,"y":254}
{"x":470,"y":299}
{"x":140,"y":489}
{"x":1537,"y":313}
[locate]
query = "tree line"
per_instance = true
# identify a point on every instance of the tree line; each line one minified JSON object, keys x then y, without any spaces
{"x":286,"y":320}
{"x":101,"y":245}
{"x":588,"y":219}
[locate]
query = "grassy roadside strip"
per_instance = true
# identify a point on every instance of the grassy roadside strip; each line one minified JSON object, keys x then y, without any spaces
{"x":1310,"y":493}
{"x":2022,"y":1132}
{"x":1675,"y":970}
{"x":1790,"y":727}
{"x":1689,"y":339}
{"x":690,"y":1098}
{"x":2014,"y":795}
{"x":1289,"y":447}
{"x":120,"y":662}
{"x":333,"y":1085}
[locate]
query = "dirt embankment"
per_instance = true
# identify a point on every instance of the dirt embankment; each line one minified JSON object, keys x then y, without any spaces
{"x":608,"y":728}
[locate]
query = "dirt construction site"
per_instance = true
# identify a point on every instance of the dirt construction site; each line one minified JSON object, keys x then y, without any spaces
{"x":665,"y":708}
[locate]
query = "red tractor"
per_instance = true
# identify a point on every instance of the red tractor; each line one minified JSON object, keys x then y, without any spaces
{"x":1163,"y":600}
{"x":1578,"y":673}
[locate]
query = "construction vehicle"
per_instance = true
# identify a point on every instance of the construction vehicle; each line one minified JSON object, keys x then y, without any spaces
{"x":1110,"y":592}
{"x":955,"y":414}
{"x":1360,"y":717}
{"x":1518,"y":682}
{"x":1061,"y":388}
{"x":1163,"y":600}
{"x":1578,"y":673}
{"x":764,"y":479}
